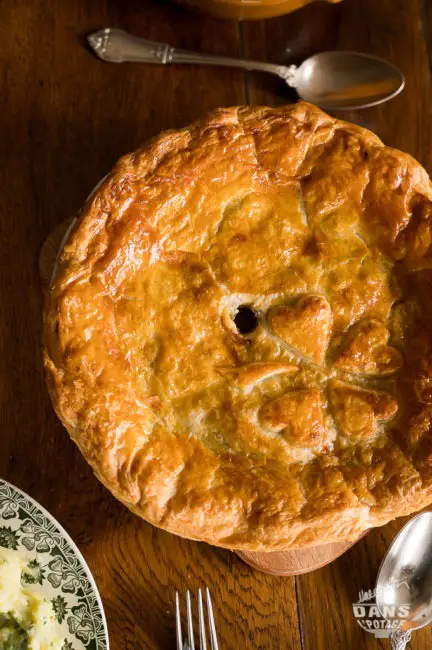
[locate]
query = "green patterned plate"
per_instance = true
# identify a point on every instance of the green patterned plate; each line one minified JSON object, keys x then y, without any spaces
{"x":55,"y":569}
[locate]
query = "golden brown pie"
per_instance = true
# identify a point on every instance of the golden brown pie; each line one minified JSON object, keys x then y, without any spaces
{"x":239,"y":336}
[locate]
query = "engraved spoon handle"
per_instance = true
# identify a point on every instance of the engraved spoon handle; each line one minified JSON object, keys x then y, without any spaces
{"x":399,"y":640}
{"x":117,"y":46}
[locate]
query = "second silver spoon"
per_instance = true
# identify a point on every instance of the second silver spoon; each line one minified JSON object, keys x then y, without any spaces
{"x":332,"y":80}
{"x":404,"y":583}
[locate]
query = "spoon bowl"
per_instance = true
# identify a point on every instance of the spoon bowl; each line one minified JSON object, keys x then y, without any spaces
{"x":338,"y":80}
{"x":404,"y":583}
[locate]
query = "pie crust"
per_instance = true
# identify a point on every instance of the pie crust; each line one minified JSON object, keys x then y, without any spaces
{"x":311,"y":421}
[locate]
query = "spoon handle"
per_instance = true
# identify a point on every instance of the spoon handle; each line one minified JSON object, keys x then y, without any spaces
{"x":117,"y":46}
{"x":399,"y":639}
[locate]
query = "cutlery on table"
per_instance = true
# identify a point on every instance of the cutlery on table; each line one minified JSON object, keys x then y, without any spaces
{"x":189,"y":644}
{"x":404,"y":583}
{"x":332,"y":80}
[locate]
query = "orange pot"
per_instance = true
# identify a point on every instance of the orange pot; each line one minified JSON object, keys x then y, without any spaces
{"x":249,"y":9}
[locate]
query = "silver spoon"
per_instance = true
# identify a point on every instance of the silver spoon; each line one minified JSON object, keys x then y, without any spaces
{"x":332,"y":80}
{"x":404,"y":583}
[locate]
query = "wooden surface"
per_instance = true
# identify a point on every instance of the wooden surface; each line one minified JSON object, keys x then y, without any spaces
{"x":64,"y":119}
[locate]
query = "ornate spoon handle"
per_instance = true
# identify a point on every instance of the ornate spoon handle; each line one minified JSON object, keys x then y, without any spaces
{"x":117,"y":46}
{"x":399,"y":639}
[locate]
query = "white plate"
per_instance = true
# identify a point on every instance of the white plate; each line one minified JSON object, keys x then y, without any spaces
{"x":55,"y":569}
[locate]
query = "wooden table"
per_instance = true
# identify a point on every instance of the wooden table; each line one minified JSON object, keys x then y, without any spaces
{"x":65,"y":118}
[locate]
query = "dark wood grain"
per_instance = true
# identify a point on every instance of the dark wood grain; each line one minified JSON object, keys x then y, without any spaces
{"x":64,"y":119}
{"x":402,"y":33}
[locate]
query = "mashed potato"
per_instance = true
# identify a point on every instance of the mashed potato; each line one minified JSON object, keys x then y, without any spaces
{"x":26,"y":619}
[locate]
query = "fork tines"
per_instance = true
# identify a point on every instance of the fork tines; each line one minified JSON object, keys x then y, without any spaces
{"x":189,"y":644}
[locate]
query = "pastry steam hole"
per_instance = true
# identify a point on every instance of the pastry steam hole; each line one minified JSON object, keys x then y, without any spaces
{"x":246,"y":320}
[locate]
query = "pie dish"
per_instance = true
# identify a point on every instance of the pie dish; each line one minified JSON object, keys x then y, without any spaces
{"x":238,"y":337}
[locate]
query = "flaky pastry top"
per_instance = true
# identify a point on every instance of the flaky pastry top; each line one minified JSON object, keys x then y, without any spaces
{"x":238,"y":337}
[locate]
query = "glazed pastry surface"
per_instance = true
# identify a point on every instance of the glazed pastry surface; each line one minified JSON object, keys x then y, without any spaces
{"x":239,"y":334}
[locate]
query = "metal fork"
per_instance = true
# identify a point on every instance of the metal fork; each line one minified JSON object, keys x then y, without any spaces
{"x":190,"y":643}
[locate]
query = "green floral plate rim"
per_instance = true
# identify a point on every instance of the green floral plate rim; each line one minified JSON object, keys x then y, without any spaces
{"x":55,"y":568}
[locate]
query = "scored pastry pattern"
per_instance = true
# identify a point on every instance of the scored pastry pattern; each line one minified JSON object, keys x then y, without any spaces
{"x":237,"y":337}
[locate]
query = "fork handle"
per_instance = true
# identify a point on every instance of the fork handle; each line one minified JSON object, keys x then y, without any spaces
{"x":117,"y":46}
